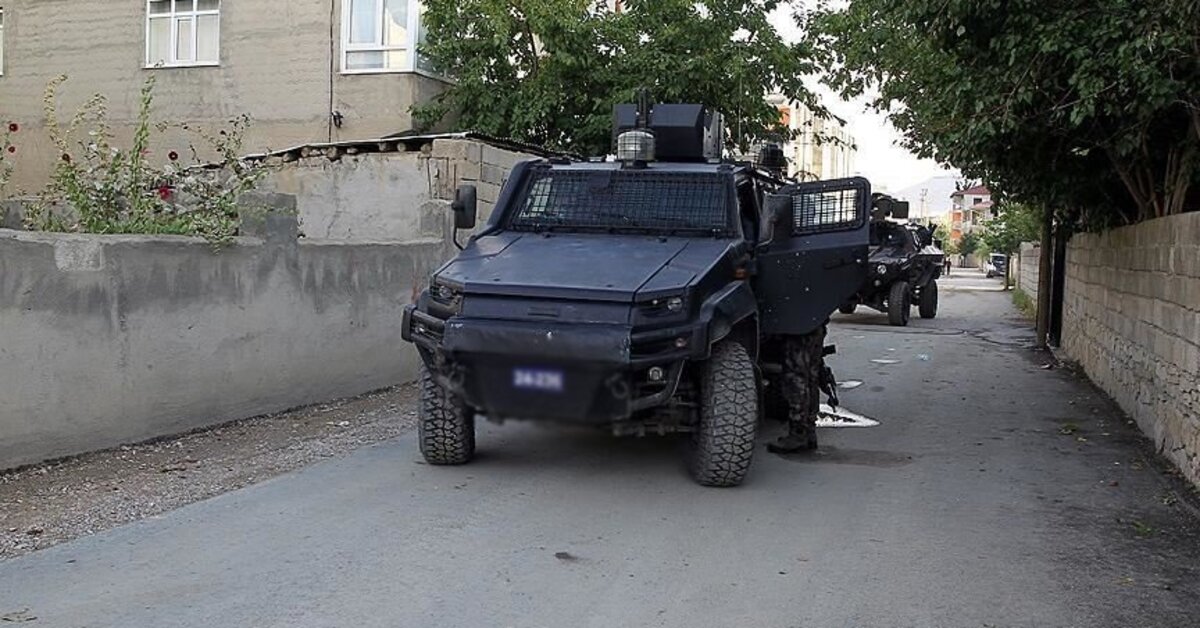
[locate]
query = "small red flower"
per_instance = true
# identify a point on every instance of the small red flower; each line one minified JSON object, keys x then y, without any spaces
{"x":66,"y":158}
{"x":12,"y":149}
{"x":173,"y":156}
{"x":13,"y":127}
{"x":164,"y":192}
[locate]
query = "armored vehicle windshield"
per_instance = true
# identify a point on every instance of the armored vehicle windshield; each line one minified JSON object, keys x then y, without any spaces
{"x":610,"y":200}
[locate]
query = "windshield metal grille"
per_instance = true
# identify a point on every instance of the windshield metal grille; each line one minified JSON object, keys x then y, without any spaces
{"x":625,"y":199}
{"x":826,"y":211}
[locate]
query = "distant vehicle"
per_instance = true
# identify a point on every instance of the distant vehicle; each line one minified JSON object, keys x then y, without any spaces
{"x":645,"y":295}
{"x":904,"y":265}
{"x":997,"y":264}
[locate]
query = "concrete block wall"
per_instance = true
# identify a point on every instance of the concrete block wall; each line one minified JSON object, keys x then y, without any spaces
{"x":392,"y":196}
{"x":1131,"y":319}
{"x":115,"y":339}
{"x":1026,"y":268}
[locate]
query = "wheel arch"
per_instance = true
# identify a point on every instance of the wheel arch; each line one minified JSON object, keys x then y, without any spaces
{"x":732,"y":312}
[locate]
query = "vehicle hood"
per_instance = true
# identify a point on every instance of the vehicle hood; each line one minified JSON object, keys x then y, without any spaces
{"x":601,"y":267}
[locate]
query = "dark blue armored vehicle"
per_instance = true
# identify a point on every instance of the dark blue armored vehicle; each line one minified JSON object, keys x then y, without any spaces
{"x":904,"y":265}
{"x":645,"y":294}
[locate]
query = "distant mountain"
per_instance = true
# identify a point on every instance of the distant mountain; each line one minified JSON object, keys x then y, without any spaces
{"x":929,"y":198}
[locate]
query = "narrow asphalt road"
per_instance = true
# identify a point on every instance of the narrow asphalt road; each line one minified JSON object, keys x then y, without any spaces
{"x":994,"y":493}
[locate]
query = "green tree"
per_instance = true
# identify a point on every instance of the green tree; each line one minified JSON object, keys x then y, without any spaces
{"x":549,"y":72}
{"x":1090,"y":107}
{"x":1016,"y":223}
{"x":968,"y":244}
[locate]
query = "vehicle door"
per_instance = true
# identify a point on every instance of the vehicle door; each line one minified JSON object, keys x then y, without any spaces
{"x":816,"y":256}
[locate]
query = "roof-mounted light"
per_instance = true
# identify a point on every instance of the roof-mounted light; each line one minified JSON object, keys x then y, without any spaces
{"x":635,"y":147}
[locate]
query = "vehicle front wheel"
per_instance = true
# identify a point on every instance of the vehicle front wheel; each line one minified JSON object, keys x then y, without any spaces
{"x":899,"y":304}
{"x":445,"y":424}
{"x":848,"y":308}
{"x":928,"y":307}
{"x":722,"y":446}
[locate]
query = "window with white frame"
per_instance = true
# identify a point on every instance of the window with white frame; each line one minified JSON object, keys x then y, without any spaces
{"x":183,"y":32}
{"x":381,"y":36}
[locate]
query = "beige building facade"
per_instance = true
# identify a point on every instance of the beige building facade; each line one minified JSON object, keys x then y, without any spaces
{"x":303,"y":70}
{"x":820,"y":148}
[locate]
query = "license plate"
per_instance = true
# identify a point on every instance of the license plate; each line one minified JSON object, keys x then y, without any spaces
{"x":543,"y":380}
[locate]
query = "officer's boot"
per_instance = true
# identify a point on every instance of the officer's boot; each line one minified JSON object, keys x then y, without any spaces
{"x":801,"y":436}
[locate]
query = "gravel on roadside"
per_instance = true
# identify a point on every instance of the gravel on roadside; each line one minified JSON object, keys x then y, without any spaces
{"x":53,"y":502}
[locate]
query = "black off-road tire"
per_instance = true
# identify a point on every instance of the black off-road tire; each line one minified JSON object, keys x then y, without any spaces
{"x":847,"y":308}
{"x":722,"y":445}
{"x":899,"y":304}
{"x":928,"y":307}
{"x":445,"y":424}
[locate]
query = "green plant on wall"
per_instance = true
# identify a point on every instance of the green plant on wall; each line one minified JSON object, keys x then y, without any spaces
{"x":98,"y":187}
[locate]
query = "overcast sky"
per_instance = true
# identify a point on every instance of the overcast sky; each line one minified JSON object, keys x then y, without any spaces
{"x":880,"y":158}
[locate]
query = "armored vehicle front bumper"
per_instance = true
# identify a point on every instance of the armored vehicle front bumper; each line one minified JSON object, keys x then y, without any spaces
{"x":584,"y":373}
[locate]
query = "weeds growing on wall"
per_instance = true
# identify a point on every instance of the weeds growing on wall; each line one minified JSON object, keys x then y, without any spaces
{"x":98,"y":187}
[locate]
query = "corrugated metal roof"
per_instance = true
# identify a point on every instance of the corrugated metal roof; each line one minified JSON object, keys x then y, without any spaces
{"x":397,"y":142}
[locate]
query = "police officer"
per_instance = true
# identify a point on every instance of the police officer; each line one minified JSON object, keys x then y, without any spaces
{"x":803,"y":373}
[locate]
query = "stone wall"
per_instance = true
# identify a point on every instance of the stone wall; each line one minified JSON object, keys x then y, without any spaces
{"x":115,"y":339}
{"x":1132,"y":320}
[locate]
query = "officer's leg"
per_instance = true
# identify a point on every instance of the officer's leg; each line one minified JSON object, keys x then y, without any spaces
{"x":803,"y":361}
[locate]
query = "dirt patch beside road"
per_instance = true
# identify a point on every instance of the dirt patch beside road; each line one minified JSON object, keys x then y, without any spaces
{"x":54,"y":502}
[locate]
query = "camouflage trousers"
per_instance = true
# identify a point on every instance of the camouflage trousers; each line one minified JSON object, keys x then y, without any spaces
{"x":804,"y":360}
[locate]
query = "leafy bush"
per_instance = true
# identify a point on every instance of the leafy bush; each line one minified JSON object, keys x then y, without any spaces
{"x":97,"y":187}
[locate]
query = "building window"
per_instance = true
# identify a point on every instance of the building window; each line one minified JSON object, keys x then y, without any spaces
{"x":183,"y":32}
{"x":1,"y":41}
{"x":381,"y":36}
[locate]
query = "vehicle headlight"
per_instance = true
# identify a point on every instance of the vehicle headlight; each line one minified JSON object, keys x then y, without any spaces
{"x":881,"y":269}
{"x":663,"y":306}
{"x":443,"y":292}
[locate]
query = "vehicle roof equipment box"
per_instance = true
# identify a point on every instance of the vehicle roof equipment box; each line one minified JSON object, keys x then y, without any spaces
{"x":682,"y":133}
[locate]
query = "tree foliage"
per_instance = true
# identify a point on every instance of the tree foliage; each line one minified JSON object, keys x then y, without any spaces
{"x":1091,"y":107}
{"x":968,"y":244}
{"x":549,"y":72}
{"x":1016,"y":223}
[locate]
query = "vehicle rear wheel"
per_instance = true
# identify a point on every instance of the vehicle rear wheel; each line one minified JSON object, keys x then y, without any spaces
{"x":848,"y":308}
{"x":899,"y":304}
{"x":928,"y":307}
{"x":723,"y":443}
{"x":445,"y":424}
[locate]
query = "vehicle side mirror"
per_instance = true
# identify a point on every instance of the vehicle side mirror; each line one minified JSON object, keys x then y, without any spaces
{"x":777,"y":218}
{"x":465,"y":207}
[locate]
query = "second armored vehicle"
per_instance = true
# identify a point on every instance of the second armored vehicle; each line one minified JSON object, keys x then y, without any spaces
{"x":905,"y":264}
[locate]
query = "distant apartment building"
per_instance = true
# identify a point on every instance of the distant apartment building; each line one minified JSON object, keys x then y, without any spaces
{"x":819,"y":148}
{"x":303,"y":70}
{"x":971,"y":209}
